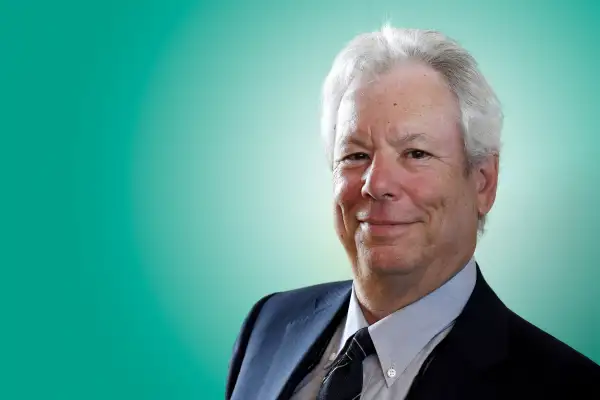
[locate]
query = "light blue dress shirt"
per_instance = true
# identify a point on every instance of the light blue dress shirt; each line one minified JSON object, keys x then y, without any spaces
{"x":403,"y":340}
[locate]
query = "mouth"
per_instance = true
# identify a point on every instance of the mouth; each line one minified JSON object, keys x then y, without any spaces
{"x":385,"y":228}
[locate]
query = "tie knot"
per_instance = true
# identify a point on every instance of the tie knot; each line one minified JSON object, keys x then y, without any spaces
{"x":361,"y":345}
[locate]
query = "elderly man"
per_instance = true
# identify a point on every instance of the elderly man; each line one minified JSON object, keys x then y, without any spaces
{"x":412,"y":132}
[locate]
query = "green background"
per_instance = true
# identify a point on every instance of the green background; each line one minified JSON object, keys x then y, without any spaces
{"x":162,"y":170}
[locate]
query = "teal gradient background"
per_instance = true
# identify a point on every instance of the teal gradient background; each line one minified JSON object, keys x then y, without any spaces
{"x":162,"y":170}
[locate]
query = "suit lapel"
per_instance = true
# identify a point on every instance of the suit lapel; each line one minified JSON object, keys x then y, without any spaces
{"x":477,"y":341}
{"x":302,"y":342}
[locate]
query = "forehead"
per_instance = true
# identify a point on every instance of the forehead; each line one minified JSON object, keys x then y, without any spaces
{"x":410,"y":96}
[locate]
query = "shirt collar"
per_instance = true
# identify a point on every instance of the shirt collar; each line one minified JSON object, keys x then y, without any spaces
{"x":400,"y":336}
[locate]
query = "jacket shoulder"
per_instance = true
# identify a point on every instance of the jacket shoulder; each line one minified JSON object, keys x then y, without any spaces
{"x":275,"y":300}
{"x":540,"y":355}
{"x":267,"y":315}
{"x":286,"y":303}
{"x":313,"y":291}
{"x":240,"y":344}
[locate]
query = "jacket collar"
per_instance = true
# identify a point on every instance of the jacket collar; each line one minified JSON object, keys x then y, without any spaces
{"x":478,"y":341}
{"x":304,"y":341}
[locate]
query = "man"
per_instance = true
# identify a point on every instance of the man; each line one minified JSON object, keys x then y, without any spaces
{"x":412,"y":131}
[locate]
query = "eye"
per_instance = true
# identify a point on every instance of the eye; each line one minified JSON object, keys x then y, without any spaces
{"x":356,"y":157}
{"x":417,"y":154}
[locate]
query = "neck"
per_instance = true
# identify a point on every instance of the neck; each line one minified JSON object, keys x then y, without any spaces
{"x":382,"y":294}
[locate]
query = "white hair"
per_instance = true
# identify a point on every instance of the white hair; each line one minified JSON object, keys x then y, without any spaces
{"x":372,"y":54}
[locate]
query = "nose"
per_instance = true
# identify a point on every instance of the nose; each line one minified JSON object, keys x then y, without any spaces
{"x":381,"y":179}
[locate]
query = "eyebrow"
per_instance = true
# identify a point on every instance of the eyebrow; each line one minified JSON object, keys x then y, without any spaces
{"x":396,"y":142}
{"x":408,"y":138}
{"x":351,"y":139}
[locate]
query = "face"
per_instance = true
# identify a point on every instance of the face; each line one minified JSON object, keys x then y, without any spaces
{"x":402,"y":192}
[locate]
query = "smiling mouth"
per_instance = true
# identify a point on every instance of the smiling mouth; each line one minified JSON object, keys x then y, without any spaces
{"x":385,"y":229}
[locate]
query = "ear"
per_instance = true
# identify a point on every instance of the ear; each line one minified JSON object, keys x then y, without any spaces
{"x":486,"y":182}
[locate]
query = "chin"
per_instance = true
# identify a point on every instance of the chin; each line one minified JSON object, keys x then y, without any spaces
{"x":386,"y":261}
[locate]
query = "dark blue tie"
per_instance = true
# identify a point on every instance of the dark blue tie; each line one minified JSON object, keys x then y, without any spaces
{"x":344,"y":378}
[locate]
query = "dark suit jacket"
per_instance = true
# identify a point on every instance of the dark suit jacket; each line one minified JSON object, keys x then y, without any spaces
{"x":490,"y":353}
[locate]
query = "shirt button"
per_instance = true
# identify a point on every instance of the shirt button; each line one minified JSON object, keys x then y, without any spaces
{"x":391,"y":372}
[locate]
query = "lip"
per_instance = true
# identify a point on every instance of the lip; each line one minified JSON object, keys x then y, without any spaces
{"x":374,"y":221}
{"x":384,"y":228}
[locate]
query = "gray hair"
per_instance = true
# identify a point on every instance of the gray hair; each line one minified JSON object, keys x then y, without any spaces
{"x":369,"y":55}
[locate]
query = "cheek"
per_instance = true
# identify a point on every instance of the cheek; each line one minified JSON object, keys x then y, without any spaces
{"x":440,"y":199}
{"x":428,"y":192}
{"x":346,"y":190}
{"x":347,"y":195}
{"x":444,"y":200}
